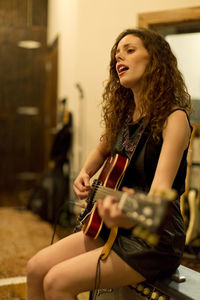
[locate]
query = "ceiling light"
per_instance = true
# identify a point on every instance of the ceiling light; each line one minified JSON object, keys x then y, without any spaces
{"x":29,"y":44}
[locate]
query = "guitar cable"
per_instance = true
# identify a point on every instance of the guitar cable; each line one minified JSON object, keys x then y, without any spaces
{"x":97,"y":278}
{"x":57,"y":217}
{"x":56,"y":222}
{"x":98,"y":267}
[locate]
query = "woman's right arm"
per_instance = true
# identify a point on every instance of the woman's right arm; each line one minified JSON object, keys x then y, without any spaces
{"x":92,"y":164}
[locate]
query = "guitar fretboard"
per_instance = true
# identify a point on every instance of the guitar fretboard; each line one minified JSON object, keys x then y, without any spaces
{"x":101,"y":192}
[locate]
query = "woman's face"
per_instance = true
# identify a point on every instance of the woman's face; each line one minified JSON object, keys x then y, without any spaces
{"x":132,"y":59}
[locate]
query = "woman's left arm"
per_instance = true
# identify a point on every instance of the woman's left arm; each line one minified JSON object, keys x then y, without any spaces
{"x":176,"y":136}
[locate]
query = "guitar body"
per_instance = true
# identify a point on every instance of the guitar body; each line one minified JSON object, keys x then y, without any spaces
{"x":149,"y":212}
{"x":111,"y":177}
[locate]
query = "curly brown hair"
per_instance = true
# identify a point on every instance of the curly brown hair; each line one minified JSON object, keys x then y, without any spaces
{"x":162,"y":89}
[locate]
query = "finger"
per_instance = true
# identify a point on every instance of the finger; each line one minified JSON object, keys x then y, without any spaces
{"x":81,"y":195}
{"x":80,"y":186}
{"x":100,"y":207}
{"x":86,"y":182}
{"x":128,"y":190}
{"x":115,"y":212}
{"x":108,"y":202}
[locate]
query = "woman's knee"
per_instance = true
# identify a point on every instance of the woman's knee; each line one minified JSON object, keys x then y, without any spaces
{"x":50,"y":285}
{"x":35,"y":269}
{"x":55,"y":286}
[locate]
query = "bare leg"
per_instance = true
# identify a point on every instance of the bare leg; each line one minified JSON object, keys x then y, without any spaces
{"x":67,"y":279}
{"x":43,"y":261}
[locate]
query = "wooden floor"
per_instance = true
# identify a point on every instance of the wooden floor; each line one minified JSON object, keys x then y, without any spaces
{"x":22,"y":234}
{"x":15,"y":289}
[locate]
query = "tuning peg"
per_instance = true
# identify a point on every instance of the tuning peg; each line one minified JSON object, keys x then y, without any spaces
{"x":137,"y":230}
{"x":144,"y":233}
{"x":140,"y":287}
{"x":162,"y":193}
{"x":169,"y":194}
{"x":154,"y":192}
{"x":146,"y":291}
{"x":155,"y":295}
{"x":162,"y":298}
{"x":153,"y":239}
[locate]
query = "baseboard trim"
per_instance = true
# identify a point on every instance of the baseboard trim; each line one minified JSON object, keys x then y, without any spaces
{"x":13,"y":281}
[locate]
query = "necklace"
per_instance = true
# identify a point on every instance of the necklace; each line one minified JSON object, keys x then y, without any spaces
{"x":130,"y":141}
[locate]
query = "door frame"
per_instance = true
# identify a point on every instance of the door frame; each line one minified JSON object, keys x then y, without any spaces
{"x":190,"y":15}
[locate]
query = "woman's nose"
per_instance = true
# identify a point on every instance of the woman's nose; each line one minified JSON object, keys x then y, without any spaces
{"x":119,"y":56}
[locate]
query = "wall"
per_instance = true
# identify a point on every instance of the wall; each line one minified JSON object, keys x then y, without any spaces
{"x":87,"y":30}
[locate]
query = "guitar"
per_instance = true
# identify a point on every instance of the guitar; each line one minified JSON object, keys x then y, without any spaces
{"x":194,"y":221}
{"x":110,"y":176}
{"x":190,"y":200}
{"x":150,"y":212}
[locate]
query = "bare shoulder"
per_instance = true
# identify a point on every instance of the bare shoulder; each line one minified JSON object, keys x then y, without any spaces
{"x":177,"y":126}
{"x":103,"y":146}
{"x":178,"y":118}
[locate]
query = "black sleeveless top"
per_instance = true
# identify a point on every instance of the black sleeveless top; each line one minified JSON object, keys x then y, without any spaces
{"x":143,"y":164}
{"x":151,"y":262}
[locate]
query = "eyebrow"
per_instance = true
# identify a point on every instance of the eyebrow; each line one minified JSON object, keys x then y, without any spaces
{"x":125,"y":46}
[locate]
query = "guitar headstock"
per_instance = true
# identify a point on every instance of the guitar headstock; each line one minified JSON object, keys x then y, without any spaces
{"x":149,"y":212}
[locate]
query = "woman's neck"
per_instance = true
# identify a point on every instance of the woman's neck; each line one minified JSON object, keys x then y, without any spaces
{"x":136,"y":116}
{"x":137,"y":110}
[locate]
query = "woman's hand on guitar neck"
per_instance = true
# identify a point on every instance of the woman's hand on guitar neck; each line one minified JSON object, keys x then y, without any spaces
{"x":111,"y":214}
{"x":82,"y":185}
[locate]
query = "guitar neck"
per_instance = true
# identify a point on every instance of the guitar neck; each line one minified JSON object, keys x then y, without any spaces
{"x":148,"y":211}
{"x":102,"y":192}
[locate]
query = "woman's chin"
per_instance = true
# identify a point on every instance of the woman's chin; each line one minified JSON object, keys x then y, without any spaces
{"x":127,"y":84}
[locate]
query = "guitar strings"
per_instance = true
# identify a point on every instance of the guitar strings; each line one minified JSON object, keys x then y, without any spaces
{"x":103,"y":191}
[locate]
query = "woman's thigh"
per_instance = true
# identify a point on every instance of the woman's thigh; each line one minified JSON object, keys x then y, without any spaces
{"x":79,"y":273}
{"x":73,"y":245}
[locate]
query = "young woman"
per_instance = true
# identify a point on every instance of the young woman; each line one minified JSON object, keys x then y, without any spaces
{"x":144,"y":87}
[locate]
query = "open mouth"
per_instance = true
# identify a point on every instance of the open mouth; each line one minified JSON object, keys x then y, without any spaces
{"x":121,"y":69}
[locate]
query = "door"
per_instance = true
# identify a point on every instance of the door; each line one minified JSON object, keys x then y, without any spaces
{"x":27,"y":108}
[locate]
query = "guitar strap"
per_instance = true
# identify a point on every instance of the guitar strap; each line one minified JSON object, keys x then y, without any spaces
{"x":121,"y":142}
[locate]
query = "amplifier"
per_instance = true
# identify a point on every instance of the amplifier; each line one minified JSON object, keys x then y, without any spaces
{"x":183,"y":285}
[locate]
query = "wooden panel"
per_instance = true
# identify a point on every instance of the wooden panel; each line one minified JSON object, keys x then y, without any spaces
{"x":23,"y":132}
{"x":22,"y":70}
{"x":21,"y":149}
{"x":185,"y":15}
{"x":29,"y":146}
{"x":13,"y":12}
{"x":23,"y":13}
{"x":39,"y":12}
{"x":6,"y":150}
{"x":22,"y":75}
